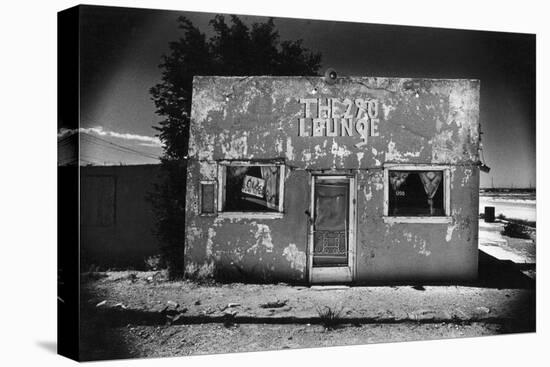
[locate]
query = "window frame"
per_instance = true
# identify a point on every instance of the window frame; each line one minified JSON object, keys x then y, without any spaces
{"x":425,"y":218}
{"x":222,"y":174}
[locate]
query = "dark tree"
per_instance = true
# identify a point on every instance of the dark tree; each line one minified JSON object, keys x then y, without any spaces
{"x":235,"y":49}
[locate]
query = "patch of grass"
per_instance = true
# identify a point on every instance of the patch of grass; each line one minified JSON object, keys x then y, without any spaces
{"x":516,"y":230}
{"x":330,"y":317}
{"x":201,"y":274}
{"x":527,"y":223}
{"x":132,"y":277}
{"x":523,"y":222}
{"x":93,"y":268}
{"x":153,"y":263}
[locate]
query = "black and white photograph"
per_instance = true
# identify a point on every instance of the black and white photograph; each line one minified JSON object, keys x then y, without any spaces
{"x":274,"y":184}
{"x":251,"y":183}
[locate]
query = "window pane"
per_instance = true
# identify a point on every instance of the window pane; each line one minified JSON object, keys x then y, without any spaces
{"x":416,"y":193}
{"x":252,"y":188}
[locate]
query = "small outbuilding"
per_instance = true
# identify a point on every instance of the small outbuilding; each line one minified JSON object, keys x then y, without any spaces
{"x":354,"y":180}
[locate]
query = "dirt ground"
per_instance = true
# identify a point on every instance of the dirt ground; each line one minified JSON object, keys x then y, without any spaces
{"x":127,"y":314}
{"x":180,"y":340}
{"x":141,"y":314}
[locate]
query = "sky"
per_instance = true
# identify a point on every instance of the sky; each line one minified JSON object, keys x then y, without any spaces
{"x":122,"y":48}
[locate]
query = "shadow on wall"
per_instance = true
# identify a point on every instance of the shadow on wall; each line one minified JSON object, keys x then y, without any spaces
{"x":117,"y":223}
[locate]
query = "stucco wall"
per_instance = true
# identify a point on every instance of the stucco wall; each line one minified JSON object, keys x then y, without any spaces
{"x":256,"y":118}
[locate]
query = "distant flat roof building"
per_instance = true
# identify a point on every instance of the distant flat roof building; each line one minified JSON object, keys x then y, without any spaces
{"x":364,"y":180}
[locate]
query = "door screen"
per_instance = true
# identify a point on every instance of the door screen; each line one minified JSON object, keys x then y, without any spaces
{"x":330,"y":226}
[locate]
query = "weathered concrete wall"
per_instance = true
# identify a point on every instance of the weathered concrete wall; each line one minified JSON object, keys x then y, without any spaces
{"x":417,"y":251}
{"x":255,"y":249}
{"x":256,"y":118}
{"x":117,"y":222}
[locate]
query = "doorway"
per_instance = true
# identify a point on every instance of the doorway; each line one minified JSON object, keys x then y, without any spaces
{"x":332,"y":229}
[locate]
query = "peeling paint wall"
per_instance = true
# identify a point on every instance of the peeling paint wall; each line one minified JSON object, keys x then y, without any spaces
{"x":248,"y":248}
{"x":257,"y":118}
{"x":417,"y":251}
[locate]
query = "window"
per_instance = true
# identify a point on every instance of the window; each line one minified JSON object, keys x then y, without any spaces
{"x":417,"y":194}
{"x":251,"y":188}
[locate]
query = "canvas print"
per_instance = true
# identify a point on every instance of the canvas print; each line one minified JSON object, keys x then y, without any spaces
{"x":232,"y":183}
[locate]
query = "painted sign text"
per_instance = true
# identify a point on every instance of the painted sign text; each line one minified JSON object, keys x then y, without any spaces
{"x":332,"y":117}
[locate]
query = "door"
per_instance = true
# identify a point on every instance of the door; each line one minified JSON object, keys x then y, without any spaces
{"x":332,"y":229}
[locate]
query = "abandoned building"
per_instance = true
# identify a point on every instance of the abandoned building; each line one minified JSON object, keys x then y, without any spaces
{"x":356,"y":180}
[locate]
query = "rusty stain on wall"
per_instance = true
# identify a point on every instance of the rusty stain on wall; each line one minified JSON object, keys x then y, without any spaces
{"x":256,"y":118}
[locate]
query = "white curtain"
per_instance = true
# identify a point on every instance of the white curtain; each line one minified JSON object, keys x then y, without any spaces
{"x":431,"y":181}
{"x":269,"y":174}
{"x":397,"y":179}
